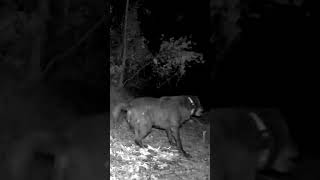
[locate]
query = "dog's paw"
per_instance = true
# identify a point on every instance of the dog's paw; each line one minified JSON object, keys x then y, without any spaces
{"x":139,"y":143}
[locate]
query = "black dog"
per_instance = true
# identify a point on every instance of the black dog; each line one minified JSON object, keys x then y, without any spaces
{"x":167,"y":113}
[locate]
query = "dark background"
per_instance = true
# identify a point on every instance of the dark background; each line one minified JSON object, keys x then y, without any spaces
{"x":272,"y":63}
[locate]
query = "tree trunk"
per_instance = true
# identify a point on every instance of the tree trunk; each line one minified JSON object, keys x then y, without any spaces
{"x":124,"y":54}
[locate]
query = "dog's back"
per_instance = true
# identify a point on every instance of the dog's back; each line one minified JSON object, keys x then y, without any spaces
{"x":144,"y":102}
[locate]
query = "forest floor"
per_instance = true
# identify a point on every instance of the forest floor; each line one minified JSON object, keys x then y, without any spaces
{"x":160,"y":160}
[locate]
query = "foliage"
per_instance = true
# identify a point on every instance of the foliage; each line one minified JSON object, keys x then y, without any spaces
{"x":174,"y":57}
{"x":170,"y":64}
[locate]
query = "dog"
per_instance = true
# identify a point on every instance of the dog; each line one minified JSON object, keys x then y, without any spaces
{"x":168,"y":113}
{"x":250,"y":141}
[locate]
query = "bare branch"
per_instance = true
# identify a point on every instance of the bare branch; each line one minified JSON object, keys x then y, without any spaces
{"x":136,"y":73}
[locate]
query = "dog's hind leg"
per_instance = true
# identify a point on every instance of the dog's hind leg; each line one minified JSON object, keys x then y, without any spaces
{"x":171,"y":138}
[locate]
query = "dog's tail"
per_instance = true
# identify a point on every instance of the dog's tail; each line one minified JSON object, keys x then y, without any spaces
{"x":118,"y":108}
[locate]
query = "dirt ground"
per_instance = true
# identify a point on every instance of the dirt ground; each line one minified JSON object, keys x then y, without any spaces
{"x":160,"y":160}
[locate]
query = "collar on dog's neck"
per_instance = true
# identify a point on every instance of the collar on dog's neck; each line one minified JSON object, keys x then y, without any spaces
{"x":261,"y":126}
{"x":191,"y":101}
{"x":193,"y":105}
{"x":258,"y":121}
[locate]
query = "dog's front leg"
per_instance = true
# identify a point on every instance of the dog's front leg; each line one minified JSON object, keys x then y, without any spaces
{"x":176,"y":134}
{"x":139,"y":135}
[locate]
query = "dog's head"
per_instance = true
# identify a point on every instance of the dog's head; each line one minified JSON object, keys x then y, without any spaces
{"x":195,"y":105}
